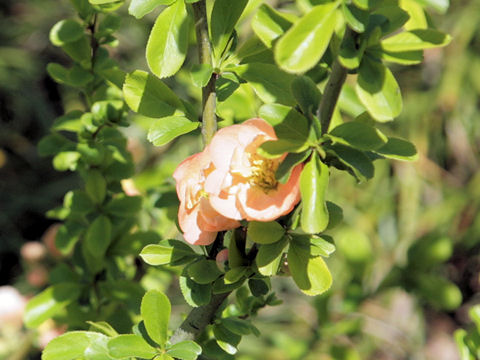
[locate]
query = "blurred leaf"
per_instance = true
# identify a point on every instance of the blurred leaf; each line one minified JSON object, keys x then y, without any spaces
{"x":77,"y":345}
{"x":311,"y":274}
{"x":168,"y":42}
{"x":269,"y":24}
{"x":69,"y":122}
{"x":201,"y":74}
{"x":304,"y":43}
{"x":378,"y":90}
{"x":398,"y":149}
{"x":66,"y":160}
{"x":66,"y":31}
{"x":274,"y":88}
{"x":132,"y":244}
{"x":356,"y":18}
{"x":235,"y":274}
{"x":335,"y":215}
{"x":418,"y":39}
{"x":225,"y":14}
{"x":265,"y":232}
{"x":185,"y":350}
{"x":168,"y":128}
{"x":429,"y":251}
{"x":49,"y":303}
{"x":354,"y":245}
{"x":438,"y":291}
{"x":99,"y":236}
{"x":140,"y":8}
{"x":126,"y":346}
{"x":124,"y":206}
{"x":313,"y":186}
{"x":96,"y":186}
{"x":149,"y":96}
{"x":155,"y":310}
{"x":226,"y":339}
{"x":259,"y":287}
{"x":460,"y":336}
{"x":54,"y":143}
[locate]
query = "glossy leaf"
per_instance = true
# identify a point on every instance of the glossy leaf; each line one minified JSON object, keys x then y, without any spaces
{"x":269,"y":256}
{"x":358,"y":135}
{"x":271,"y":84}
{"x":288,"y":164}
{"x":269,"y":24}
{"x":168,"y":128}
{"x":226,"y":339}
{"x":103,"y":327}
{"x":378,"y":90}
{"x":356,"y":18}
{"x":77,"y":345}
{"x":168,"y":42}
{"x":356,"y":160}
{"x":201,"y":74}
{"x":195,"y":294}
{"x":418,"y":39}
{"x":155,"y":310}
{"x":185,"y":350}
{"x":99,"y":236}
{"x":149,"y":96}
{"x":140,"y":8}
{"x":225,"y":14}
{"x":265,"y":232}
{"x":313,"y":187}
{"x":204,"y":271}
{"x":49,"y":303}
{"x":306,"y":93}
{"x":237,"y":326}
{"x":304,"y":43}
{"x":126,"y":346}
{"x":398,"y":149}
{"x":167,"y":252}
{"x":311,"y":274}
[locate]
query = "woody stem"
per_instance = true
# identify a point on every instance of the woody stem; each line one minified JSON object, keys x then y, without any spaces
{"x":209,"y":96}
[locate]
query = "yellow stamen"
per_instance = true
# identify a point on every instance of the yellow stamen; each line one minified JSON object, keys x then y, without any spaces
{"x":263,"y":173}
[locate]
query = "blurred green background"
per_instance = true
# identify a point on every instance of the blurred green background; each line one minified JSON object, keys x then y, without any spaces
{"x":415,"y":225}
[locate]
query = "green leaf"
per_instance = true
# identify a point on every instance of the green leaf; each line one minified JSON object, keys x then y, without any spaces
{"x":168,"y":128}
{"x":306,"y":93}
{"x":354,"y":245}
{"x":291,"y":128}
{"x":429,"y":251}
{"x":351,"y":53}
{"x":168,"y":42}
{"x":335,"y":215}
{"x":269,"y":256}
{"x":311,"y":274}
{"x":149,"y":96}
{"x":356,"y":160}
{"x":304,"y":43}
{"x":235,"y":274}
{"x":418,"y":39}
{"x":358,"y":135}
{"x":313,"y":187}
{"x":403,"y":57}
{"x":356,"y":18}
{"x":378,"y":91}
{"x":140,"y":8}
{"x":127,"y":346}
{"x":155,"y":310}
{"x":398,"y":149}
{"x":172,"y":252}
{"x":66,"y":31}
{"x":237,"y":326}
{"x":99,"y":236}
{"x":271,"y":84}
{"x":201,"y":74}
{"x":54,"y":143}
{"x":69,"y":122}
{"x":67,"y":236}
{"x":185,"y":350}
{"x":77,"y":345}
{"x":66,"y":160}
{"x":195,"y":294}
{"x":265,"y":232}
{"x":103,"y":327}
{"x":259,"y":287}
{"x":461,"y":336}
{"x":321,"y":246}
{"x":225,"y":14}
{"x":390,"y":18}
{"x":96,"y":186}
{"x":132,"y":244}
{"x":269,"y":24}
{"x":236,"y":252}
{"x":124,"y":206}
{"x":286,"y":166}
{"x":80,"y":51}
{"x":49,"y":303}
{"x":226,"y":339}
{"x":204,"y":271}
{"x":440,"y":292}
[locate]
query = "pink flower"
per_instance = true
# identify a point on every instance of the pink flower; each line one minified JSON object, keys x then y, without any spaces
{"x":197,"y":218}
{"x":242,"y":184}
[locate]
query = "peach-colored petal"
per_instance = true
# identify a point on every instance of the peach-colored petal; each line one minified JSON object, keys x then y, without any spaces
{"x":210,"y":220}
{"x":192,"y":232}
{"x":260,"y":206}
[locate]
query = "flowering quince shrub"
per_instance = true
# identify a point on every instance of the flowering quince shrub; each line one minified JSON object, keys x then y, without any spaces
{"x":253,"y":202}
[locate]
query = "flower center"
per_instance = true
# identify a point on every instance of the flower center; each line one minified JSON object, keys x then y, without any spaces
{"x":263,"y":173}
